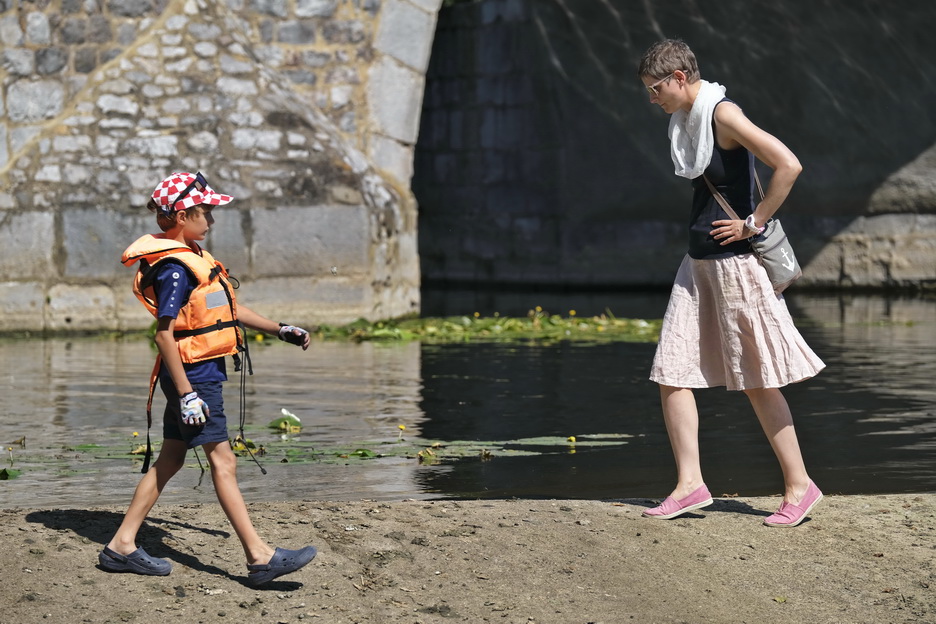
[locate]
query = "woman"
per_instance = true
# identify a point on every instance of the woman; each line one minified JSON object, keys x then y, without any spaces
{"x":724,"y":326}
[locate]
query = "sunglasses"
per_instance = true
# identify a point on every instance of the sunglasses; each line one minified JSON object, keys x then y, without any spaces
{"x":198,"y":184}
{"x":652,"y":89}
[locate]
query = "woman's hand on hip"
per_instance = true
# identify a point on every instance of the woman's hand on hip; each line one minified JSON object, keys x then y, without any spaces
{"x":729,"y":231}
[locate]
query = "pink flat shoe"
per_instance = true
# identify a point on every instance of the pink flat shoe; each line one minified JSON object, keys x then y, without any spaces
{"x":790,"y":515}
{"x":670,"y":507}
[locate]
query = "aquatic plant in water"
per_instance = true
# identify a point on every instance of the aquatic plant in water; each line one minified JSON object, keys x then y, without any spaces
{"x":287,"y":423}
{"x":537,"y":326}
{"x":70,"y":460}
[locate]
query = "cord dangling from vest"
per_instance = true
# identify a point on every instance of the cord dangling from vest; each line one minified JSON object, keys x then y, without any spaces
{"x":154,"y":378}
{"x":201,"y":466}
{"x":246,"y":369}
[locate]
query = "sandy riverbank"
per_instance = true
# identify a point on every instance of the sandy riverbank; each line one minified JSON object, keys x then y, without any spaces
{"x":857,"y":559}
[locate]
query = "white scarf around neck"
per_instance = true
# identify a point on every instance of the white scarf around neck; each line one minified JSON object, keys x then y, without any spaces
{"x":691,"y":137}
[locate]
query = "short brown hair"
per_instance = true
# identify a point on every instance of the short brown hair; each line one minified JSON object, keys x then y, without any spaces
{"x":167,"y":221}
{"x":665,"y":57}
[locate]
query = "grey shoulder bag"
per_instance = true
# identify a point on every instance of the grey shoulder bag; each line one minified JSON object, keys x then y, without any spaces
{"x":771,"y":246}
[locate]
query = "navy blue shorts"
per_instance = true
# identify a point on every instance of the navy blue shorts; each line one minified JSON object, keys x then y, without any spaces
{"x":214,"y":429}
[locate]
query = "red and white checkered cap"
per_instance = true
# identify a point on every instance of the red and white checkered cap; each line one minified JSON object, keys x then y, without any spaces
{"x":169,"y":189}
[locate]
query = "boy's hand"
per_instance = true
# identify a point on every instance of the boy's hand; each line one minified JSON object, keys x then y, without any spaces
{"x":294,"y":335}
{"x":194,"y":410}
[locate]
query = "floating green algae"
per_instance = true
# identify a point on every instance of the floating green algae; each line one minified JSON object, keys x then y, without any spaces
{"x":64,"y":461}
{"x":537,"y":326}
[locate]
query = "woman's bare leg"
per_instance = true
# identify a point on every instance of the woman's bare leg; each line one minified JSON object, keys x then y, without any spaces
{"x":775,"y":418}
{"x":682,"y":426}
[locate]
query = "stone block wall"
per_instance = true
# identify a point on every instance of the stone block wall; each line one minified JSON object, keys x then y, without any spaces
{"x":303,"y":110}
{"x":541,"y":161}
{"x":893,"y":245}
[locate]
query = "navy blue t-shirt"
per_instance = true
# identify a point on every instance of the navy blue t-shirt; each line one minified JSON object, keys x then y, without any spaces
{"x":173,"y":285}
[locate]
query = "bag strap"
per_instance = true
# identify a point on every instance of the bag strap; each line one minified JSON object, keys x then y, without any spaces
{"x":724,"y":203}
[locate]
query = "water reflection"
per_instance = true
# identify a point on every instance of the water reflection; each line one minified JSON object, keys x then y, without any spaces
{"x":866,"y":423}
{"x":66,"y":393}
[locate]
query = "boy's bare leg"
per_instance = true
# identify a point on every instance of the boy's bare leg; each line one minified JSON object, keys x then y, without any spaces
{"x":224,"y":474}
{"x":171,"y":459}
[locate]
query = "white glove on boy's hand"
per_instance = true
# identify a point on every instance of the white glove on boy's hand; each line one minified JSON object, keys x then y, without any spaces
{"x":194,"y":410}
{"x":294,"y":335}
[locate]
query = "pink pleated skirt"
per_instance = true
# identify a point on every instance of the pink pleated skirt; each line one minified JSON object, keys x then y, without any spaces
{"x":724,"y":326}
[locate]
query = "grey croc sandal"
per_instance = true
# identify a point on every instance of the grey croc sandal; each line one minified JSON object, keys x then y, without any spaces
{"x":138,"y":562}
{"x":283,"y":562}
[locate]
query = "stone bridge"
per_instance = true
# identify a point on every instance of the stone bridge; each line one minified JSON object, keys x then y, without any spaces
{"x":541,"y":162}
{"x":538,"y":159}
{"x":306,"y":111}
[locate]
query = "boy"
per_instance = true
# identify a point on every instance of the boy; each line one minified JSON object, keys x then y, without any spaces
{"x":198,"y":322}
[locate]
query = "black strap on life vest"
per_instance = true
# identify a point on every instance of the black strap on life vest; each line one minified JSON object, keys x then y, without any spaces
{"x":207,"y":329}
{"x":154,"y":377}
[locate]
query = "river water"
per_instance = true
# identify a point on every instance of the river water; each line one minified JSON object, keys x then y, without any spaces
{"x":866,"y":423}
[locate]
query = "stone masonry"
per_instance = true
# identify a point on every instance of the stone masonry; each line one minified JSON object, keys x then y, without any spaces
{"x":305,"y":110}
{"x":893,"y":245}
{"x":541,"y":162}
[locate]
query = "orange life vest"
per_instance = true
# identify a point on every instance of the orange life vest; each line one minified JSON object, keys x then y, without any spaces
{"x":207,"y":326}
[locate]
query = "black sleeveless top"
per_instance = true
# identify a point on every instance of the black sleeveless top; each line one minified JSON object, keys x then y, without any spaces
{"x":731,"y":171}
